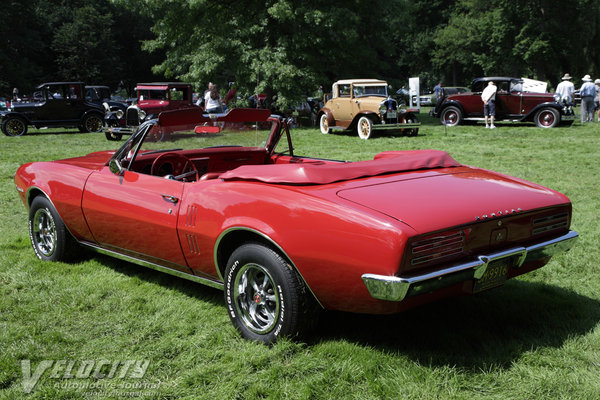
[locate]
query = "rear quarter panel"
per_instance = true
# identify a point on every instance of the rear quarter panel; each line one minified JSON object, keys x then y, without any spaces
{"x":331,"y":244}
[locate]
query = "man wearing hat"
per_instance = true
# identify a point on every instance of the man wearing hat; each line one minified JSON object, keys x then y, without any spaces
{"x":565,"y":90}
{"x":588,"y":94}
{"x":488,"y":96}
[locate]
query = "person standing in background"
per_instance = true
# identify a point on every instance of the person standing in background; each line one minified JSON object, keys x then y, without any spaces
{"x":588,"y":94}
{"x":565,"y":90}
{"x":489,"y":104}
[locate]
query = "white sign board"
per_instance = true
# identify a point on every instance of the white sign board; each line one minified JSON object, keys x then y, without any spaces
{"x":413,"y":89}
{"x":531,"y":85}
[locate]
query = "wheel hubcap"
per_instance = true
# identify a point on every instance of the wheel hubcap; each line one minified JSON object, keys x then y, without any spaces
{"x":256,"y":298}
{"x":43,"y":232}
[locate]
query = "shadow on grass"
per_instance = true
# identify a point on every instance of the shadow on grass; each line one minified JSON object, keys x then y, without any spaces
{"x":37,"y":132}
{"x":189,"y":288}
{"x":491,"y":329}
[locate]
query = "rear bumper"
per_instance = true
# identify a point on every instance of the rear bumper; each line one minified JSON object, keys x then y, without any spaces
{"x":395,"y":288}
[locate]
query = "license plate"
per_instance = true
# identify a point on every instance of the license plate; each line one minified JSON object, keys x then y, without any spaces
{"x":391,"y":114}
{"x":495,"y":275}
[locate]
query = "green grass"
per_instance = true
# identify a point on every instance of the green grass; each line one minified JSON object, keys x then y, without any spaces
{"x":536,"y":337}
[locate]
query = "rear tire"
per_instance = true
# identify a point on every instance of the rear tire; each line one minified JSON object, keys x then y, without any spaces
{"x":14,"y":126}
{"x":324,"y":124}
{"x":265,"y":297}
{"x":451,"y":116}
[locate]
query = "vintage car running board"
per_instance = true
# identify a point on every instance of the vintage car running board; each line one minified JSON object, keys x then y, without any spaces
{"x":394,"y":288}
{"x":154,"y":266}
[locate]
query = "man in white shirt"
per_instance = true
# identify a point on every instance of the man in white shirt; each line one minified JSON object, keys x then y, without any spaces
{"x":565,"y":90}
{"x":489,"y":104}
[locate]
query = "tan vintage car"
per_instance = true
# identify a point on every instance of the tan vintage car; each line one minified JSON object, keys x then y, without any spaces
{"x":364,"y":105}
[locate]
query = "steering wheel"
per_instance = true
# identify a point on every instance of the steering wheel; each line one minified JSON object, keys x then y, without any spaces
{"x":181,"y":167}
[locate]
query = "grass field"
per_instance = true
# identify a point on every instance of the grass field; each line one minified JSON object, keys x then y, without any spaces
{"x":537,"y":337}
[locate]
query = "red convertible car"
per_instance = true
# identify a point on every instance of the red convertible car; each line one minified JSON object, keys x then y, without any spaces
{"x":224,"y":200}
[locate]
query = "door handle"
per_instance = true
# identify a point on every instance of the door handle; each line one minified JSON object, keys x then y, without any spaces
{"x":170,"y":198}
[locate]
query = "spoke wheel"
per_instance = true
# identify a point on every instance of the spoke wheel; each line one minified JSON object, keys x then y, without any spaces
{"x":364,"y":128}
{"x":324,"y":124}
{"x":14,"y":126}
{"x":92,"y":123}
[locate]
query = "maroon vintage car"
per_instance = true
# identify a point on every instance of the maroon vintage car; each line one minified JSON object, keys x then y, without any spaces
{"x":152,"y":99}
{"x":226,"y":202}
{"x":513,"y":103}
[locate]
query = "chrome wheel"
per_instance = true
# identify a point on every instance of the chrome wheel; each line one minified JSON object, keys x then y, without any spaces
{"x":256,"y":298}
{"x":43,"y":232}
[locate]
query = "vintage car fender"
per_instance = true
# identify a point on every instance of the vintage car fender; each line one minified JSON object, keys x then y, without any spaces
{"x":372,"y":115}
{"x":330,"y":118}
{"x":530,"y":116}
{"x":88,"y":112}
{"x":6,"y":114}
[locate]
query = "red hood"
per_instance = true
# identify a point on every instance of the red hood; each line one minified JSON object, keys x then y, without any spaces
{"x":95,"y":160}
{"x":441,"y":200}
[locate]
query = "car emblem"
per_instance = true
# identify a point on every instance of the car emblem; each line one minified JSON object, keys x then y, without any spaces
{"x":498,"y":214}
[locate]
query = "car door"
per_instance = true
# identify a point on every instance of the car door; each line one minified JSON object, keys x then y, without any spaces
{"x":63,"y":103}
{"x":136,"y":214}
{"x":343,"y":106}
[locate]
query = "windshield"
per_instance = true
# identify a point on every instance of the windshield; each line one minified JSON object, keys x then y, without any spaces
{"x":146,"y":94}
{"x":370,"y":90}
{"x":151,"y":138}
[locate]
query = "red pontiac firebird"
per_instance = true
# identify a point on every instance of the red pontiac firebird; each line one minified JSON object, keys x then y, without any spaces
{"x":223,"y":200}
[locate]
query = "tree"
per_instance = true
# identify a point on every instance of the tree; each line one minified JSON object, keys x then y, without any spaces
{"x":281,"y":47}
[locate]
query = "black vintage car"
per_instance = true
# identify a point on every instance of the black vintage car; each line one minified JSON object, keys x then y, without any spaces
{"x":57,"y":104}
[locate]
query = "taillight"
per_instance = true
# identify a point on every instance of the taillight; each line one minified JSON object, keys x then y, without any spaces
{"x":438,"y":247}
{"x":550,"y":223}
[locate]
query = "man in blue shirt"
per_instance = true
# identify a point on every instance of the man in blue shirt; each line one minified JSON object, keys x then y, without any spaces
{"x":588,"y":93}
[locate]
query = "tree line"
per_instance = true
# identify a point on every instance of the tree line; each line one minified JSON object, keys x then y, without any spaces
{"x":290,"y":47}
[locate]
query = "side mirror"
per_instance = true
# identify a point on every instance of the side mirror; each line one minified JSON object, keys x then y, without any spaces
{"x":115,"y":167}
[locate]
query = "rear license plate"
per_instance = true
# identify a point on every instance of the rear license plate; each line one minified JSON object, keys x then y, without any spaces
{"x":391,"y":114}
{"x":495,"y":275}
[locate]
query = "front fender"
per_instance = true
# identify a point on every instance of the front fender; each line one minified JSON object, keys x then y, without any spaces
{"x":7,"y":114}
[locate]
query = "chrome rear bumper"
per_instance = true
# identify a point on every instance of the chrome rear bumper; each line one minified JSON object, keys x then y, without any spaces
{"x":395,"y":288}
